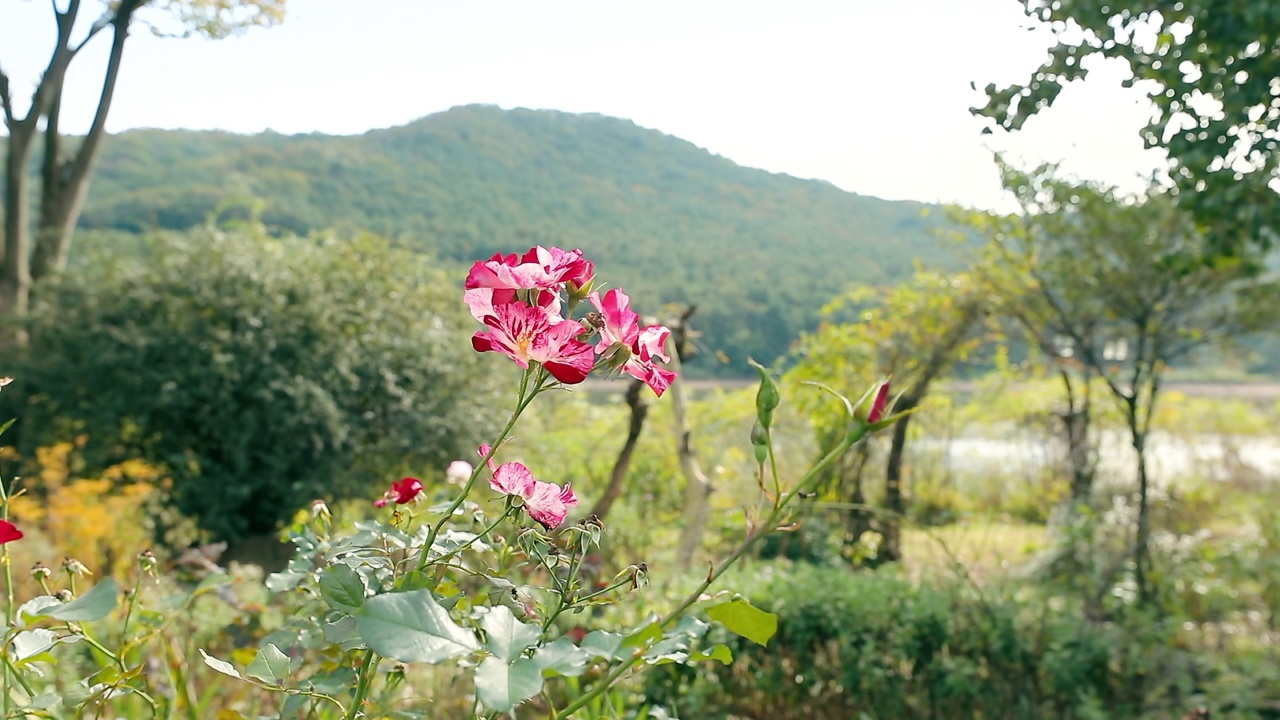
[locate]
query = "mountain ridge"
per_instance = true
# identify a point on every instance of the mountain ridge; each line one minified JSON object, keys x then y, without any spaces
{"x":759,"y":252}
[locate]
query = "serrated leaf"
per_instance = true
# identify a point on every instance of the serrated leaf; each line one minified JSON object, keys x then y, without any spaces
{"x":720,"y":653}
{"x":412,"y":627}
{"x":93,"y":605}
{"x":30,"y":643}
{"x":270,"y":665}
{"x":741,"y":618}
{"x":343,"y":632}
{"x":562,"y":657}
{"x":501,"y":687}
{"x":506,"y":636}
{"x":342,"y":588}
{"x":340,"y":680}
{"x":221,"y":666}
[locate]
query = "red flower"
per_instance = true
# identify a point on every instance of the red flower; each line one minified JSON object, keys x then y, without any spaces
{"x":402,"y":492}
{"x":9,"y":532}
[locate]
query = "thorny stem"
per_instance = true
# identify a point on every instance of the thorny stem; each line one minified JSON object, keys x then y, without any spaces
{"x":526,"y":396}
{"x":719,"y":569}
{"x":364,"y":679}
{"x":473,"y":540}
{"x":8,"y":601}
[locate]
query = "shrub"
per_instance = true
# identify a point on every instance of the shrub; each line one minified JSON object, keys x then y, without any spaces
{"x":260,"y":373}
{"x":873,"y":644}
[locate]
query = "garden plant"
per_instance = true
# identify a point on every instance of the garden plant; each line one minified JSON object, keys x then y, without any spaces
{"x":457,"y":599}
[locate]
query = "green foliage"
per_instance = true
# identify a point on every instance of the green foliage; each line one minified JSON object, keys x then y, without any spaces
{"x":262,"y":373}
{"x":758,"y":253}
{"x":874,"y":644}
{"x":1209,"y":68}
{"x":911,"y":332}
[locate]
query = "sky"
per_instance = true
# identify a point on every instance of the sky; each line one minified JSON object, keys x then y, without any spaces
{"x":872,"y":96}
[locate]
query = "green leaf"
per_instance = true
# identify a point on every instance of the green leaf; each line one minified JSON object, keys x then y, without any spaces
{"x":644,"y":637}
{"x":501,"y":687}
{"x":93,"y":605}
{"x":719,"y":653}
{"x":343,"y":632}
{"x":506,"y":636}
{"x":30,"y":643}
{"x":44,"y":701}
{"x":412,"y":627}
{"x":36,"y":607}
{"x":211,"y":582}
{"x":602,"y":644}
{"x":293,"y":707}
{"x":740,"y":618}
{"x":562,"y":657}
{"x":270,"y":666}
{"x":5,"y":425}
{"x":221,"y":666}
{"x":342,"y":588}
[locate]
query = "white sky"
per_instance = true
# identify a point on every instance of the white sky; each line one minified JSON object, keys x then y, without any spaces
{"x":871,"y":95}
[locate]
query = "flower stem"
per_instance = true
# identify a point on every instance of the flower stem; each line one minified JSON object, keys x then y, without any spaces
{"x":523,"y":401}
{"x":364,"y":679}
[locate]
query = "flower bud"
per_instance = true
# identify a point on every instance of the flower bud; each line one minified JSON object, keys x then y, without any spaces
{"x":760,"y":442}
{"x":320,"y":510}
{"x":874,"y":405}
{"x":40,"y":572}
{"x":147,"y":561}
{"x":767,"y":397}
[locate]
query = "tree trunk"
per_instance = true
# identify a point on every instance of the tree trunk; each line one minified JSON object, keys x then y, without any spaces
{"x":859,"y":518}
{"x":697,"y":505}
{"x":891,"y":549}
{"x":1141,"y":546}
{"x":15,"y":266}
{"x":1079,"y":452}
{"x":639,"y":411}
{"x":15,"y":270}
{"x":67,"y":182}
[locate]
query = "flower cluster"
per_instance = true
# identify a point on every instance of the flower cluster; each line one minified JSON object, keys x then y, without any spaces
{"x":547,"y":503}
{"x":524,"y":300}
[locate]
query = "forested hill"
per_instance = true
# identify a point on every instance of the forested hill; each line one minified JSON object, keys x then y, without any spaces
{"x":758,"y":252}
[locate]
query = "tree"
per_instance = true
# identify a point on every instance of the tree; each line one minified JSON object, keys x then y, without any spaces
{"x":911,"y":333}
{"x":1210,"y":69}
{"x":65,"y":175}
{"x":1123,"y":286}
{"x":261,"y":373}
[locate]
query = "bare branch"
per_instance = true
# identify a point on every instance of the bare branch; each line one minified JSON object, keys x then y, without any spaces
{"x":98,"y":26}
{"x":5,"y":100}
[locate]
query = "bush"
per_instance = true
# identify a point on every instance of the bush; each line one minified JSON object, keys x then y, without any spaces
{"x":854,"y":644}
{"x":260,"y":373}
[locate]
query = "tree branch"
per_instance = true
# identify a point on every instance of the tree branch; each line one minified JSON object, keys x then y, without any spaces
{"x":5,"y":100}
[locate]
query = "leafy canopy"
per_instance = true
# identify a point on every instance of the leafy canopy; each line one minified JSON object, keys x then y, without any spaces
{"x":1211,"y":69}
